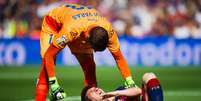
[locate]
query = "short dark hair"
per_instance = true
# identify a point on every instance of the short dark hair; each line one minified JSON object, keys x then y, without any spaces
{"x":84,"y":93}
{"x":98,"y":38}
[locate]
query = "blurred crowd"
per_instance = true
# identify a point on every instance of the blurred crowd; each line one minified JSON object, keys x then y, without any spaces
{"x":138,"y":18}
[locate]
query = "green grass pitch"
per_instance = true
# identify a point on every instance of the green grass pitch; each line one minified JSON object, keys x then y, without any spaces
{"x":179,"y":84}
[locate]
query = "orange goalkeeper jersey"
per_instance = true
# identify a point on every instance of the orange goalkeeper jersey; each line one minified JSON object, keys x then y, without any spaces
{"x":69,"y":21}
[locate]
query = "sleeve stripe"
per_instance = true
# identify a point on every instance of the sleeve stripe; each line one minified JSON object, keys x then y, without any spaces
{"x":53,"y":24}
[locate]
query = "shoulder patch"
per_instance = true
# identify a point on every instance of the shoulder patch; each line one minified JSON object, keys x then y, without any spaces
{"x":62,"y":41}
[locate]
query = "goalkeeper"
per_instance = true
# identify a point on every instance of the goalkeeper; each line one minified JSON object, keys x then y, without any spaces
{"x":84,"y":31}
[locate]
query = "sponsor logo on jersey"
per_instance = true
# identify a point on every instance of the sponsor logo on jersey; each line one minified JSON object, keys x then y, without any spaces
{"x":85,"y":14}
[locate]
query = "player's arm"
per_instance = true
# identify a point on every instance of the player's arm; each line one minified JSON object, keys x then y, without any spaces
{"x":130,"y":92}
{"x":49,"y":59}
{"x":53,"y":21}
{"x":49,"y":63}
{"x":58,"y":43}
{"x":124,"y":68}
{"x":121,"y":63}
{"x":114,"y":47}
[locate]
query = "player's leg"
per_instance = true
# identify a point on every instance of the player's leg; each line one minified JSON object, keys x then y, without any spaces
{"x":89,"y":69}
{"x":152,"y":88}
{"x":42,"y":86}
{"x":88,"y":66}
{"x":42,"y":83}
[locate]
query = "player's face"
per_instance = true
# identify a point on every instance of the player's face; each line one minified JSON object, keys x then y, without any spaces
{"x":95,"y":94}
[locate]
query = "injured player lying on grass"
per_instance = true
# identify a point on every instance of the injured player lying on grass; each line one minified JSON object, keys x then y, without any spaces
{"x":151,"y":90}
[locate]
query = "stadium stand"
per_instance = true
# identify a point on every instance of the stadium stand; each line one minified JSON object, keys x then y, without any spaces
{"x":178,"y":18}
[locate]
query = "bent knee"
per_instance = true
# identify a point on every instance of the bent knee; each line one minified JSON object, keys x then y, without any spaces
{"x":148,"y":76}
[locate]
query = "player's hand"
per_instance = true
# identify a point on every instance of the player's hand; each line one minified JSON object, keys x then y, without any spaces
{"x":58,"y":94}
{"x":55,"y":91}
{"x":129,"y":82}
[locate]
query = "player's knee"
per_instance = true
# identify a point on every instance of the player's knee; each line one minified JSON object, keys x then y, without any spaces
{"x":148,"y":76}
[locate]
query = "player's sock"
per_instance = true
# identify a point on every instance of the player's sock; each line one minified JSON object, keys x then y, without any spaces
{"x":42,"y":86}
{"x":154,"y":90}
{"x":41,"y":92}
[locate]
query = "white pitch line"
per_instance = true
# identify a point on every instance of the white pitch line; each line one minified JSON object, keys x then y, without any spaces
{"x":183,"y":93}
{"x":73,"y":98}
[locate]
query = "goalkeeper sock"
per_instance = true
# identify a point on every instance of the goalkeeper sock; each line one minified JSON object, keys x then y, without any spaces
{"x":42,"y":86}
{"x":41,"y":92}
{"x":154,"y":90}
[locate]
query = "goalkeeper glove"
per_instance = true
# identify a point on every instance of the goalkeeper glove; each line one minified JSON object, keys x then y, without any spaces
{"x":55,"y":91}
{"x":129,"y":82}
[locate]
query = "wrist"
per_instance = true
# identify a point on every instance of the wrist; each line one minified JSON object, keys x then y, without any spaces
{"x":129,"y":82}
{"x":129,"y":78}
{"x":53,"y":83}
{"x":117,"y":93}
